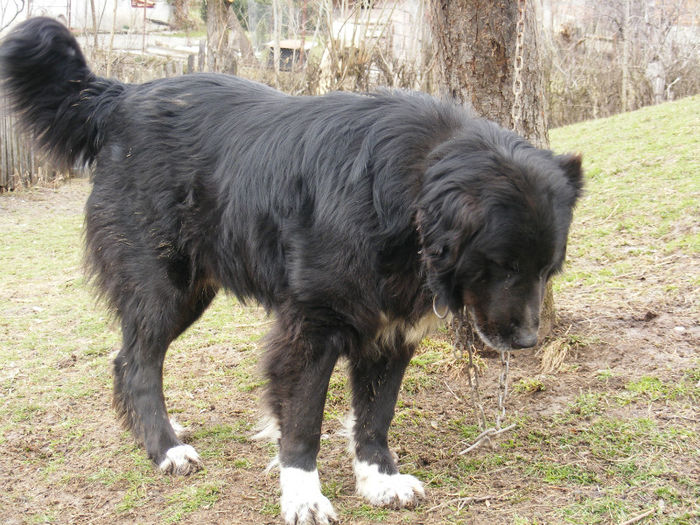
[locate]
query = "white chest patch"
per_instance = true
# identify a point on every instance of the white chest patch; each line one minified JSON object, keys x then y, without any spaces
{"x":386,"y":490}
{"x":412,"y":333}
{"x":302,"y":502}
{"x":181,"y":460}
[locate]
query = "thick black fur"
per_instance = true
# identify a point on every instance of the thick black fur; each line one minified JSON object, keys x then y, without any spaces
{"x":343,"y":215}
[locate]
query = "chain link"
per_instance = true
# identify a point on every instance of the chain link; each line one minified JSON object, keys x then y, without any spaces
{"x":517,"y":109}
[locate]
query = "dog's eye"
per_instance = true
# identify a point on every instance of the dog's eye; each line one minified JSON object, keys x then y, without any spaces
{"x":509,"y":268}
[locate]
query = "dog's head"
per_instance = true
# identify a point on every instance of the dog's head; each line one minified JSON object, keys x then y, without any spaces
{"x":493,"y":217}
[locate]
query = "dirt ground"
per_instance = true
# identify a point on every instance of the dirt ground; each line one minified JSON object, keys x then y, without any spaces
{"x":610,"y":436}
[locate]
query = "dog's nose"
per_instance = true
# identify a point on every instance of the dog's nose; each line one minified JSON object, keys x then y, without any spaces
{"x":524,"y":339}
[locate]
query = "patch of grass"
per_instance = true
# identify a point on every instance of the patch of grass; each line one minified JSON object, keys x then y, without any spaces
{"x":414,"y":383}
{"x":529,"y":385}
{"x":432,"y":352}
{"x":190,"y":499}
{"x":668,"y":494}
{"x":132,"y":484}
{"x":607,"y":509}
{"x":692,"y":375}
{"x":408,"y":415}
{"x":552,"y":472}
{"x":332,"y":489}
{"x":616,"y":439}
{"x":585,"y":405}
{"x":26,"y":413}
{"x":45,"y":516}
{"x":338,"y":397}
{"x":214,"y":440}
{"x":536,"y":436}
{"x":521,"y":520}
{"x":135,"y":493}
{"x":480,"y":464}
{"x":466,"y":428}
{"x":242,"y":463}
{"x":368,"y":512}
{"x":270,"y":508}
{"x":605,"y":375}
{"x":222,"y":432}
{"x":652,"y":388}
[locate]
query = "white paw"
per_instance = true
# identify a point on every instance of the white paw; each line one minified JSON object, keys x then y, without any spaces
{"x":302,"y":502}
{"x":386,"y":490}
{"x":181,"y":460}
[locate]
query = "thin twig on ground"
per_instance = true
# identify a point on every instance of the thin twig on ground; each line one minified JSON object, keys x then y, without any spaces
{"x":640,"y":517}
{"x":486,"y":434}
{"x":464,"y":501}
{"x":452,"y":392}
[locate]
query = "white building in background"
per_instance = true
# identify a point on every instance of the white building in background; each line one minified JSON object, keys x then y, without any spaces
{"x":77,"y":14}
{"x":402,"y":24}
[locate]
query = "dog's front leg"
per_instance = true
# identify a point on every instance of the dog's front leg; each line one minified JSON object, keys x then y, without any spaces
{"x":299,"y":370}
{"x":375,"y":388}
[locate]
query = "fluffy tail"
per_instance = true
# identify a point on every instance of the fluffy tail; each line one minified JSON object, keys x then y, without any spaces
{"x":61,"y":103}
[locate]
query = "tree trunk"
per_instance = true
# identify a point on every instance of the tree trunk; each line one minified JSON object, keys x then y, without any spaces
{"x":475,"y":42}
{"x":476,"y":45}
{"x":220,"y":57}
{"x":181,"y":14}
{"x":94,"y":25}
{"x":277,"y":31}
{"x":111,"y":38}
{"x":626,"y":89}
{"x":239,"y":40}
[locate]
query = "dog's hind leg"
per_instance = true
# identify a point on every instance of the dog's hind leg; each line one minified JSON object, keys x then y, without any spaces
{"x":150,"y":321}
{"x":299,"y":366}
{"x":375,"y":388}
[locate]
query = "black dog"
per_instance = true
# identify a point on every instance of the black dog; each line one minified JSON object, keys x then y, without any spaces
{"x":348,"y":217}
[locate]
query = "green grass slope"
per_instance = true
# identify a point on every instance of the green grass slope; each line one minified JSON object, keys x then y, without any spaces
{"x":642,"y":204}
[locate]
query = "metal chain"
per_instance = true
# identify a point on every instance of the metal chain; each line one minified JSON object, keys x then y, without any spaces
{"x":461,"y":325}
{"x":502,"y":388}
{"x":517,"y":110}
{"x":464,"y":339}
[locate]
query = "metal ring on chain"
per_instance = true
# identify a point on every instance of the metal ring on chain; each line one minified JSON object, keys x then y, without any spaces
{"x":444,"y":315}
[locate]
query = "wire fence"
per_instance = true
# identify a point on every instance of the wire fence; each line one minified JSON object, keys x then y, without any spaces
{"x":23,"y":165}
{"x":19,"y":163}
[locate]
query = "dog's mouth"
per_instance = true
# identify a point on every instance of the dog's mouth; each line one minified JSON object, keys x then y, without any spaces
{"x":519,"y":338}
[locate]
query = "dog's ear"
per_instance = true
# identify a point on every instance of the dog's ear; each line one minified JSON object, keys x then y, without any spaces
{"x":444,"y":231}
{"x":571,"y":164}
